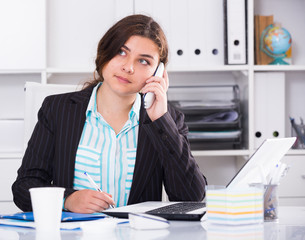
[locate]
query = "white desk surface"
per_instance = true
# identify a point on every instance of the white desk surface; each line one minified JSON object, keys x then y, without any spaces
{"x":290,"y":226}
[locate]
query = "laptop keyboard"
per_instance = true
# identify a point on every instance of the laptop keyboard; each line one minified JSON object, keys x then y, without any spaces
{"x":181,"y":207}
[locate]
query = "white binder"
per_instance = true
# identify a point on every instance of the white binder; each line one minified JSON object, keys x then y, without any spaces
{"x":179,"y":33}
{"x":235,"y":30}
{"x":269,"y":106}
{"x":197,"y":47}
{"x":193,"y":29}
{"x":213,"y":32}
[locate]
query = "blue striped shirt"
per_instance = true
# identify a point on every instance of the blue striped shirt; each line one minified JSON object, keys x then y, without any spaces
{"x":109,"y":158}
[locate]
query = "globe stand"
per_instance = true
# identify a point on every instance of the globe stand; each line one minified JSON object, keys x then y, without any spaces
{"x":278,"y":58}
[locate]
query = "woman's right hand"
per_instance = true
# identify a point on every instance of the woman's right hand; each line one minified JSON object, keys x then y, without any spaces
{"x":88,"y":201}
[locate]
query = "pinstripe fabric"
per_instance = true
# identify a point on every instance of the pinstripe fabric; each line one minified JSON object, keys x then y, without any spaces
{"x":163,"y":154}
{"x":109,"y":158}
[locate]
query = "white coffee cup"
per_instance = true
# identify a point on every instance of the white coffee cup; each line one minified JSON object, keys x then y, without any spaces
{"x":47,"y":204}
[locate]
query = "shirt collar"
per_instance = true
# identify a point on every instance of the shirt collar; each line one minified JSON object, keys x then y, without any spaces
{"x":135,"y":110}
{"x":92,"y":106}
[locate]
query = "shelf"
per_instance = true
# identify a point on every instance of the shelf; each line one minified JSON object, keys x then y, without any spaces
{"x":21,"y":71}
{"x":69,"y":70}
{"x":222,"y":68}
{"x":11,"y":155}
{"x":204,"y":153}
{"x":279,"y":68}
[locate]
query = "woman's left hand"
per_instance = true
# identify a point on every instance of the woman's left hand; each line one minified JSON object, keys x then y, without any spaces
{"x":159,"y":87}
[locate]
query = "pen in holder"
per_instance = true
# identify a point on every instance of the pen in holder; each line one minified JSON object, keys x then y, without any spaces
{"x":298,"y":130}
{"x":271,"y":199}
{"x":271,"y":203}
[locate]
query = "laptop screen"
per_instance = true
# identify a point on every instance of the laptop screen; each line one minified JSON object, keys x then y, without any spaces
{"x":260,"y":165}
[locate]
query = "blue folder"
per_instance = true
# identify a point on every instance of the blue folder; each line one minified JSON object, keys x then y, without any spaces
{"x":66,"y":216}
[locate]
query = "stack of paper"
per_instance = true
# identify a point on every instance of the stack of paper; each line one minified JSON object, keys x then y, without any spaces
{"x":212,"y":113}
{"x":235,"y":207}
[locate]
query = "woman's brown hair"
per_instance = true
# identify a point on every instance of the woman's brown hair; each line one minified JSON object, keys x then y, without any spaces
{"x":119,"y":33}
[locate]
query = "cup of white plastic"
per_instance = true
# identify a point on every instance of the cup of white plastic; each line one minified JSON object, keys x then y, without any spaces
{"x":47,"y":208}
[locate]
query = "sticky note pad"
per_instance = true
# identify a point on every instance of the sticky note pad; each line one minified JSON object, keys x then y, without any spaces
{"x":235,"y":206}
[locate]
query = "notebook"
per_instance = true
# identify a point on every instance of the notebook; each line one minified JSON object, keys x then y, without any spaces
{"x":256,"y":169}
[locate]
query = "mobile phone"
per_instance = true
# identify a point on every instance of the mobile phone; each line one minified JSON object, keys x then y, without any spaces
{"x":149,"y":97}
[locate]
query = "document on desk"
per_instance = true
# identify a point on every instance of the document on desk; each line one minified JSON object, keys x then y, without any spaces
{"x":69,"y":220}
{"x":31,"y":224}
{"x":66,"y":216}
{"x":214,"y":134}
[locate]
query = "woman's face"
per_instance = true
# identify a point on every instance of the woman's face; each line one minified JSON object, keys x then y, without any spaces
{"x":136,"y":61}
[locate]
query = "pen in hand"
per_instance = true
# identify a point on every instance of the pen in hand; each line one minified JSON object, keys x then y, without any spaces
{"x":95,"y":185}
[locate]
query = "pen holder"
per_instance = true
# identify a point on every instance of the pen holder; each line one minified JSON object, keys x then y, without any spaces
{"x":271,"y":203}
{"x":238,"y":206}
{"x":299,"y":143}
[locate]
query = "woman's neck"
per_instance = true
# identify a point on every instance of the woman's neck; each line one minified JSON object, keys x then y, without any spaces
{"x":113,"y":108}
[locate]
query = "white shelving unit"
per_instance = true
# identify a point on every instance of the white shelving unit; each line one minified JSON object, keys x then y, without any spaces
{"x":290,"y":15}
{"x":54,"y":41}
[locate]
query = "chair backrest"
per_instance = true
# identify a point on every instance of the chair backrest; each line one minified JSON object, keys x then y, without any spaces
{"x":35,"y":93}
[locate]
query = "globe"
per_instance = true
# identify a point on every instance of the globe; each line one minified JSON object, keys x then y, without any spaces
{"x":275,"y":42}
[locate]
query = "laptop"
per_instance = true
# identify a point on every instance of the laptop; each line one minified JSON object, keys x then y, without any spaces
{"x":256,"y":169}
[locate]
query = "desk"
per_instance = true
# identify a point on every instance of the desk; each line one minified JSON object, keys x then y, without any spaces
{"x":291,"y":226}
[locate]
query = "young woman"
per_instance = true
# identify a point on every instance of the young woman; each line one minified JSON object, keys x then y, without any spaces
{"x":105,"y":130}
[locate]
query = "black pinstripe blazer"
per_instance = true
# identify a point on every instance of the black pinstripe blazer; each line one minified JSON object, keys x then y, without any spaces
{"x":163,"y":153}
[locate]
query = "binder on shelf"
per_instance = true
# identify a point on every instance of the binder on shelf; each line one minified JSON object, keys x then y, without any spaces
{"x":197,"y":36}
{"x":260,"y":23}
{"x":179,"y":33}
{"x":213,"y":32}
{"x":235,"y":31}
{"x":193,"y":39}
{"x":269,"y":106}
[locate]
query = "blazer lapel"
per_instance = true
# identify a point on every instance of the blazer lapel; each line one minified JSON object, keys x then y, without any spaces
{"x":145,"y":161}
{"x":77,"y":110}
